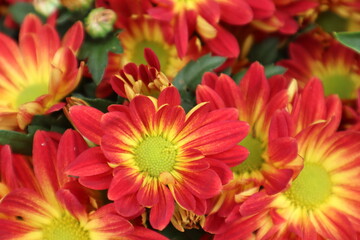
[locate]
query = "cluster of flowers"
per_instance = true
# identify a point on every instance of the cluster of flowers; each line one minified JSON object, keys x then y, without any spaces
{"x":228,"y":153}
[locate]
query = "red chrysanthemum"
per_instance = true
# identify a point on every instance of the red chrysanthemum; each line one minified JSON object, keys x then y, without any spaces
{"x":58,"y":207}
{"x":38,"y":73}
{"x":152,"y":154}
{"x":272,"y":161}
{"x":317,"y":54}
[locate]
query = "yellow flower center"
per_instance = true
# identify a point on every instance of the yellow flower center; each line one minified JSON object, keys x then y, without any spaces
{"x":254,"y":160}
{"x":155,"y":155}
{"x":341,"y":84}
{"x":158,"y":48}
{"x":311,"y":188}
{"x":65,"y":228}
{"x":31,"y":93}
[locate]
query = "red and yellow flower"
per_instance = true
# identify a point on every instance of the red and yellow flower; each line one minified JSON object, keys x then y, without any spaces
{"x":59,"y":208}
{"x":139,"y":33}
{"x":135,"y":80}
{"x":273,"y":152}
{"x":38,"y":73}
{"x":317,"y":54}
{"x":320,"y":203}
{"x":153,"y":155}
{"x":203,"y":17}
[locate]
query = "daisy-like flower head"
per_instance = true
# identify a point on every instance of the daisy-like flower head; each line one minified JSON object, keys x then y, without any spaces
{"x":272,"y":159}
{"x":140,"y":33}
{"x":203,"y":17}
{"x":60,"y":208}
{"x":146,"y":80}
{"x":317,"y":54}
{"x":257,"y":100}
{"x":320,"y":203}
{"x":152,"y":154}
{"x":38,"y":73}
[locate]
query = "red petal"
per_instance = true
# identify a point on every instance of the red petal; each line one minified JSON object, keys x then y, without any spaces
{"x":72,"y":204}
{"x":282,"y":151}
{"x":216,"y":137}
{"x":128,"y":206}
{"x":182,"y":36}
{"x":151,"y":58}
{"x":162,"y":212}
{"x":169,"y":95}
{"x":70,"y":146}
{"x":224,"y":44}
{"x":124,"y":183}
{"x":233,"y":156}
{"x":206,"y":94}
{"x":141,"y":233}
{"x":276,"y":179}
{"x":204,"y":184}
{"x":74,"y":37}
{"x":230,"y":12}
{"x":221,"y":169}
{"x":89,"y":163}
{"x":262,"y":8}
{"x":97,"y":182}
{"x":87,"y":121}
{"x":148,"y":195}
{"x":256,"y":203}
{"x":44,"y":160}
{"x":183,"y":196}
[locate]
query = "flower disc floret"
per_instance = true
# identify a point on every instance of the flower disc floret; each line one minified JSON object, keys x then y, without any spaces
{"x":65,"y":228}
{"x":311,"y":188}
{"x":155,"y":155}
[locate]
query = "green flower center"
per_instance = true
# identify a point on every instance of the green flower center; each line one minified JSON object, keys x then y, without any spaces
{"x":31,"y":93}
{"x":158,"y":48}
{"x":254,"y":160}
{"x":65,"y":228}
{"x":311,"y":188}
{"x":340,"y":84}
{"x":155,"y":155}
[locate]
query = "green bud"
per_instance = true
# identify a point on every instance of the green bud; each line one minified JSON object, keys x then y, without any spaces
{"x":100,"y":22}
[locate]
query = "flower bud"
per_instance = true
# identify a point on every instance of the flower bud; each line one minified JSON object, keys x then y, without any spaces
{"x":46,"y":7}
{"x":100,"y":22}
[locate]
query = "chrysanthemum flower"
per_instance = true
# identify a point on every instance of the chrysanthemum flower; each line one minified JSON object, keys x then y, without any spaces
{"x":273,"y":152}
{"x":139,"y":33}
{"x":203,"y":17}
{"x":60,"y":208}
{"x":157,"y":154}
{"x":146,"y":80}
{"x":317,"y":54}
{"x":257,"y":100}
{"x":38,"y":73}
{"x":320,"y":203}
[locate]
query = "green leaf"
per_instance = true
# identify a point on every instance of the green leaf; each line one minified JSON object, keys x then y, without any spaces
{"x":332,"y":22}
{"x":96,"y":52}
{"x":266,"y":52}
{"x":19,"y":142}
{"x":349,"y":39}
{"x":190,"y":76}
{"x":20,"y":9}
{"x":98,"y":103}
{"x":271,"y":70}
